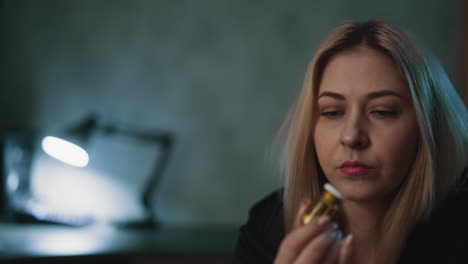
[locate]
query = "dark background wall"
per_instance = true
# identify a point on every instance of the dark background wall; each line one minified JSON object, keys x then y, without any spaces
{"x":220,"y":74}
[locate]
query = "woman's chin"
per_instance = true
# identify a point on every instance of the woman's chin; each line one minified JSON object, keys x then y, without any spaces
{"x":360,"y":192}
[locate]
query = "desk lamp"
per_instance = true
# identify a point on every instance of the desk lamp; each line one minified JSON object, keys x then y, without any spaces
{"x":70,"y":149}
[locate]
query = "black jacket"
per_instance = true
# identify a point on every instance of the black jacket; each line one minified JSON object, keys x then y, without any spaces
{"x":442,"y":239}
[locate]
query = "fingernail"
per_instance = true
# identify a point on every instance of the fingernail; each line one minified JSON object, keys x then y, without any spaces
{"x":334,"y":226}
{"x":322,"y":220}
{"x":348,"y":240}
{"x":333,"y":235}
{"x":340,"y":235}
{"x":305,"y":202}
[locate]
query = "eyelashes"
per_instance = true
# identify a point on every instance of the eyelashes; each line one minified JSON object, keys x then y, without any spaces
{"x":332,"y":114}
{"x":381,"y":113}
{"x":377,"y":113}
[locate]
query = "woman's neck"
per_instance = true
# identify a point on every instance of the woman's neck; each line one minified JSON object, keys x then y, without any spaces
{"x":363,"y":221}
{"x":362,"y":218}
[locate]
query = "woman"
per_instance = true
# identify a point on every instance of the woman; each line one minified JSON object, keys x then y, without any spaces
{"x":383,"y":124}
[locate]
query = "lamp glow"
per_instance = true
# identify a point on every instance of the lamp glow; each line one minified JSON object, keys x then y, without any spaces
{"x":65,"y":151}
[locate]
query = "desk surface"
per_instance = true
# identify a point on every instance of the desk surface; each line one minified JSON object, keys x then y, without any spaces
{"x":32,"y":241}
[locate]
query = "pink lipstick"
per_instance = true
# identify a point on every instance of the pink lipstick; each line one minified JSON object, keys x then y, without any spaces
{"x":354,"y":168}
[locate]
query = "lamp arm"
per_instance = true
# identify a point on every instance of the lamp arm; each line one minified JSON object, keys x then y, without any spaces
{"x":166,"y":142}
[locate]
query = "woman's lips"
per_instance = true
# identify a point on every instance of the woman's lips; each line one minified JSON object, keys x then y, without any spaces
{"x":354,"y":168}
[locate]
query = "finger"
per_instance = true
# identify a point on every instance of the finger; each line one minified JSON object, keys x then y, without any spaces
{"x":333,"y":254}
{"x":305,"y":204}
{"x":318,"y":248}
{"x":296,"y":240}
{"x":346,"y":250}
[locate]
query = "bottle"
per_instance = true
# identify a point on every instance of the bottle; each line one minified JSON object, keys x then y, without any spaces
{"x":329,"y":204}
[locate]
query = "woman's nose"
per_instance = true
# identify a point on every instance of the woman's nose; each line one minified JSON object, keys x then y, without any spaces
{"x":354,"y":134}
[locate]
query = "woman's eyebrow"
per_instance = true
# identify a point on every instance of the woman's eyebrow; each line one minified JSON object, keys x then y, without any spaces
{"x":332,"y":95}
{"x":371,"y":95}
{"x":382,"y":93}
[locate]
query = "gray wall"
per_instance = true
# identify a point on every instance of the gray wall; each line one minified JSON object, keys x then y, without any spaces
{"x":220,"y":74}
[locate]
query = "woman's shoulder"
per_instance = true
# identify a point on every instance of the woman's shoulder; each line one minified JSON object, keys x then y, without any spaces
{"x":266,"y":216}
{"x":442,"y":237}
{"x":453,"y":208}
{"x":269,"y":204}
{"x":260,"y":237}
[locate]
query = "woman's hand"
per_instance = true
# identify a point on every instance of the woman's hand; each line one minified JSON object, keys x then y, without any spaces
{"x":314,"y":243}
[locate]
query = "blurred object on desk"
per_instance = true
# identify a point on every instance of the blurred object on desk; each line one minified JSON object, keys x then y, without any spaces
{"x":116,"y":187}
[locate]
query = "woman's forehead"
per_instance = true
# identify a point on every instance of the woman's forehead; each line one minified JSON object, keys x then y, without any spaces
{"x":361,"y":71}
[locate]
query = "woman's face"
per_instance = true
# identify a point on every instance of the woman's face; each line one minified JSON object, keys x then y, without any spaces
{"x":366,"y":134}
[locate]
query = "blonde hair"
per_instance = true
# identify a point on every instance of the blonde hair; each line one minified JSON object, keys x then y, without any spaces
{"x":442,"y":119}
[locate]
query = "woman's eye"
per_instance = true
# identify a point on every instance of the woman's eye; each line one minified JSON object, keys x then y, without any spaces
{"x":332,"y":114}
{"x":384,"y":113}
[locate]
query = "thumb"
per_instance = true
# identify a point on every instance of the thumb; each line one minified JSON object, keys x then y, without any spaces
{"x":346,"y":250}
